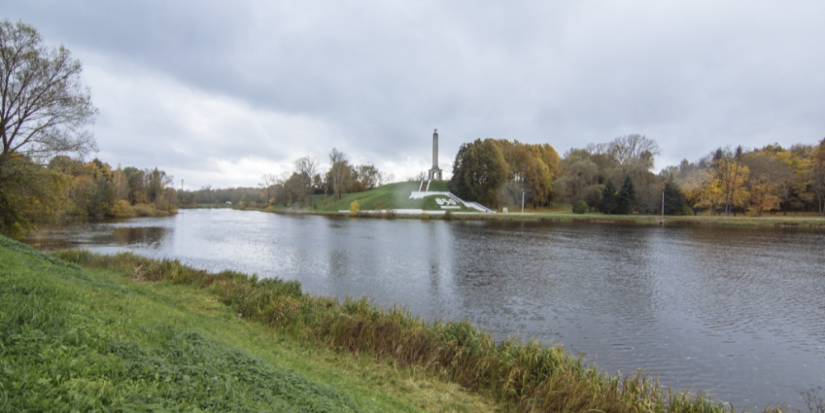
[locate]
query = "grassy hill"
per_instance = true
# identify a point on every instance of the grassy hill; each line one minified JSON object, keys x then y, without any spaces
{"x":75,"y":339}
{"x":390,"y":196}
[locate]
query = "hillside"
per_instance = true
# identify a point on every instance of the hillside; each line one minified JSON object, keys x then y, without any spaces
{"x":73,"y":339}
{"x":387,"y":197}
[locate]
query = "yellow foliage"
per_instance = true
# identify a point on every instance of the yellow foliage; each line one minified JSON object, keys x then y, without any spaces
{"x":354,"y":208}
{"x":122,"y":209}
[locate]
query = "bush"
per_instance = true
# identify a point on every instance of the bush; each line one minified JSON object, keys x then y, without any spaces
{"x":354,"y":208}
{"x":580,"y":207}
{"x":122,"y":209}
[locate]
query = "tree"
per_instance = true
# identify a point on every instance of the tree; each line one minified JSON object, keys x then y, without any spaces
{"x":730,"y":175}
{"x":34,"y":194}
{"x":634,"y":151}
{"x":339,"y":174}
{"x":626,"y":198}
{"x":365,"y":177}
{"x":795,"y":191}
{"x":818,"y":170}
{"x":766,"y":175}
{"x":607,"y":205}
{"x":675,"y":203}
{"x":308,"y":166}
{"x":268,"y":185}
{"x":44,"y":108}
{"x":479,"y":171}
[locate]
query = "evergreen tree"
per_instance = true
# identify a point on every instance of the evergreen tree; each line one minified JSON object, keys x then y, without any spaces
{"x":607,"y":205}
{"x":626,"y":199}
{"x":675,"y":203}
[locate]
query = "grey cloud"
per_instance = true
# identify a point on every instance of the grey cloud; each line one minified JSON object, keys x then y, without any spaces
{"x":381,"y":75}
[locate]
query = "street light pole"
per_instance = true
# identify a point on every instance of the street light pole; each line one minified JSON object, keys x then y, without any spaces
{"x":663,"y":203}
{"x":522,"y":202}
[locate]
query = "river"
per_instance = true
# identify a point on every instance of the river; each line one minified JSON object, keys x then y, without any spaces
{"x":736,"y":313}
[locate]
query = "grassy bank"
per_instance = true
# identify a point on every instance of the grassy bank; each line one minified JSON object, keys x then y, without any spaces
{"x":390,"y":196}
{"x":396,"y":196}
{"x":122,"y":339}
{"x":518,"y":376}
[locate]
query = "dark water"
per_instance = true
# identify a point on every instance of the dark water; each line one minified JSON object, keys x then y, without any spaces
{"x":738,"y":314}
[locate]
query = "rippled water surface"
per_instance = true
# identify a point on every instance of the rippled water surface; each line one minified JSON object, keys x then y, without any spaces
{"x":737,"y":313}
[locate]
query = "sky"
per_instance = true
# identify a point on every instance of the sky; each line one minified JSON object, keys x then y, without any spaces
{"x":220,"y":93}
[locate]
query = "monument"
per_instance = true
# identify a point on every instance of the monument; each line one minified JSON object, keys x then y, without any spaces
{"x":435,"y":171}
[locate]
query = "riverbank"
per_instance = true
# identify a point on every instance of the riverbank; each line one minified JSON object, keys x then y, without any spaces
{"x":520,"y":377}
{"x":120,"y":339}
{"x":774,"y":221}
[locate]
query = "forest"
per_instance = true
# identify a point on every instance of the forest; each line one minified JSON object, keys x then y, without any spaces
{"x":616,"y":178}
{"x":69,"y":189}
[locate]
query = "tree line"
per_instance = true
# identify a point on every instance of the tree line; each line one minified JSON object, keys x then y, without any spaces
{"x":616,"y":178}
{"x":296,"y":188}
{"x":497,"y":172}
{"x":69,"y":189}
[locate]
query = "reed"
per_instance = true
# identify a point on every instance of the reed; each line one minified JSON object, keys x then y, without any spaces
{"x":523,"y":377}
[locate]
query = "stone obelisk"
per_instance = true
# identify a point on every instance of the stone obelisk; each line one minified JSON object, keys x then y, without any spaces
{"x":435,"y":172}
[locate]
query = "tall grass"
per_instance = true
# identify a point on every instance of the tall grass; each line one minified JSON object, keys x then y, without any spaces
{"x":524,"y":377}
{"x":72,"y":342}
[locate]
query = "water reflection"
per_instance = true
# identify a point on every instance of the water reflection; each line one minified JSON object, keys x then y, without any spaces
{"x":737,"y":313}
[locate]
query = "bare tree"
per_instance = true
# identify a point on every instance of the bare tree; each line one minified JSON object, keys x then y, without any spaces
{"x":307,"y":166}
{"x":44,"y":107}
{"x":339,"y":173}
{"x":634,"y":150}
{"x":268,"y":184}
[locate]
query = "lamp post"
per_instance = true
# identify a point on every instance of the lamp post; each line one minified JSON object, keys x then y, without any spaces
{"x":522,"y":202}
{"x":663,"y":203}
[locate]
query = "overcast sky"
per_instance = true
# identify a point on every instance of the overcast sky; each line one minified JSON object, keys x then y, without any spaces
{"x":219,"y":93}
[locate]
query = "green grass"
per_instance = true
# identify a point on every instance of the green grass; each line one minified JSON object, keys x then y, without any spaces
{"x":97,"y":340}
{"x":522,"y":377}
{"x":390,"y":196}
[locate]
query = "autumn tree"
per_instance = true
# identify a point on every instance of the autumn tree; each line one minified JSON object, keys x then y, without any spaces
{"x":44,"y":109}
{"x":767,"y":173}
{"x":268,"y":186}
{"x":296,"y":189}
{"x":365,"y":177}
{"x":796,"y":191}
{"x":818,"y":172}
{"x":479,"y":170}
{"x":31,"y":194}
{"x":691,"y":178}
{"x":730,"y":176}
{"x":579,"y":180}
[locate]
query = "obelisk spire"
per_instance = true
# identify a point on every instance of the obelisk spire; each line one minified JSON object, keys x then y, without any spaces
{"x":435,"y":172}
{"x":435,"y":149}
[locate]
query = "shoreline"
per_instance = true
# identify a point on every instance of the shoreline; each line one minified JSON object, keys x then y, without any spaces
{"x":519,"y":376}
{"x":776,"y":222}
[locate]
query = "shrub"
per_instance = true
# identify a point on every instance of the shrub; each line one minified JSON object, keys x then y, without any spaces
{"x":354,"y":208}
{"x":122,"y":209}
{"x":580,"y":207}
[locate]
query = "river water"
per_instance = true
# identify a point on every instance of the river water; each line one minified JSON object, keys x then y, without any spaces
{"x":736,"y":313}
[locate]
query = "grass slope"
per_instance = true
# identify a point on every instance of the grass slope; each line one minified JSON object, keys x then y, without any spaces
{"x":93,"y":340}
{"x":390,"y":196}
{"x":521,"y":377}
